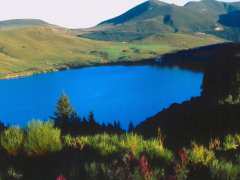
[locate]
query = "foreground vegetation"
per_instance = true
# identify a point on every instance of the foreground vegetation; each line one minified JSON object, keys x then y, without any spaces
{"x":40,"y":151}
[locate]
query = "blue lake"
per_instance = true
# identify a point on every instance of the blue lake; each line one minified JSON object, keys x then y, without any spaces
{"x":124,"y":93}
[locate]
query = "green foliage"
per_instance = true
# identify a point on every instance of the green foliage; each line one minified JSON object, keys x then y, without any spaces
{"x":153,"y":147}
{"x":137,"y":158}
{"x":63,"y":114}
{"x":64,"y":108}
{"x":133,"y":143}
{"x":42,"y":138}
{"x":107,"y":144}
{"x":12,"y":140}
{"x":223,"y":170}
{"x":200,"y":154}
{"x":104,"y":143}
{"x":230,"y":142}
{"x":74,"y":142}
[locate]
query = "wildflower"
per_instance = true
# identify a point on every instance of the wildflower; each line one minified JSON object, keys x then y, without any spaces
{"x":144,"y":166}
{"x":61,"y":177}
{"x":183,"y":156}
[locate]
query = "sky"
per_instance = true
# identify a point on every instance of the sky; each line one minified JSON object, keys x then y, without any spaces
{"x":69,"y":13}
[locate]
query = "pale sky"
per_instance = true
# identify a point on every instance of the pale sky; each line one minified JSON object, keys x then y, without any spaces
{"x":69,"y":13}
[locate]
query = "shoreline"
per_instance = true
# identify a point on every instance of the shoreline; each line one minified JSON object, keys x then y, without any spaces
{"x":160,"y":60}
{"x":64,"y":67}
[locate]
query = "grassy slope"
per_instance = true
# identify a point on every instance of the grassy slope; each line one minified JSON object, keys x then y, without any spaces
{"x":25,"y":51}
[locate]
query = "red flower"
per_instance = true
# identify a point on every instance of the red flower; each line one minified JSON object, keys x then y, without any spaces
{"x":144,"y":167}
{"x":183,"y":156}
{"x":61,"y":177}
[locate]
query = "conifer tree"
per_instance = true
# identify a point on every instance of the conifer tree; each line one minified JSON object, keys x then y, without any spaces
{"x":63,"y":114}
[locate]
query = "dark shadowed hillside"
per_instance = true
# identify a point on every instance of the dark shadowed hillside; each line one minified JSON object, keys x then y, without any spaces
{"x":213,"y":114}
{"x":198,"y":58}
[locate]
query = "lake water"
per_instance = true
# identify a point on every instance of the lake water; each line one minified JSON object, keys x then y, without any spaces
{"x":124,"y":93}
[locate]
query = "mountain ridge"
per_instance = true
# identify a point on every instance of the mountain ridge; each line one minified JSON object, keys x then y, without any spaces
{"x":155,"y":17}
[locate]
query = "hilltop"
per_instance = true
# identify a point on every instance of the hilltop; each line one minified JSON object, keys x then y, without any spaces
{"x":22,"y":23}
{"x":156,"y":17}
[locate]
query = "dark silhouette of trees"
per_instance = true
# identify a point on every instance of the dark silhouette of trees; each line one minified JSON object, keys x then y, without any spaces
{"x":130,"y":127}
{"x":70,"y":122}
{"x":93,"y":126}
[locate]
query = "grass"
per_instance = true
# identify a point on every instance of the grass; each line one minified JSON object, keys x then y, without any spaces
{"x":25,"y":51}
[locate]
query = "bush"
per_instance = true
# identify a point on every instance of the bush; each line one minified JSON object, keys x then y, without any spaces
{"x":230,"y":142}
{"x":42,"y":138}
{"x":74,"y":142}
{"x":155,"y":149}
{"x":225,"y":170}
{"x":200,"y":154}
{"x":106,"y":144}
{"x":12,"y":140}
{"x":132,"y":143}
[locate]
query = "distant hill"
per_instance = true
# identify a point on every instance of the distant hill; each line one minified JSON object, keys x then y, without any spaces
{"x":21,"y":23}
{"x":33,"y":46}
{"x":156,"y":17}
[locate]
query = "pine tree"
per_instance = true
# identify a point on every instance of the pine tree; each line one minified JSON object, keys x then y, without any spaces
{"x":130,"y":127}
{"x":92,"y":123}
{"x":84,"y":126}
{"x":63,"y":114}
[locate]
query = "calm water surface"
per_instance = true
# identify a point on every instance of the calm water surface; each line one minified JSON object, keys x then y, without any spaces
{"x":124,"y":93}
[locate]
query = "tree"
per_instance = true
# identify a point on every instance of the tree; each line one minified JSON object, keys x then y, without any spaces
{"x":130,"y":127}
{"x":64,"y":114}
{"x":92,"y":123}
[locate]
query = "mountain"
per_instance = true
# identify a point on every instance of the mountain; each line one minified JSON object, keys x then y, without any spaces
{"x":156,"y":17}
{"x":33,"y":46}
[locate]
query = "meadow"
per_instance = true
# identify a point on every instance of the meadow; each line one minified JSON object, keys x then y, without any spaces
{"x":30,"y":50}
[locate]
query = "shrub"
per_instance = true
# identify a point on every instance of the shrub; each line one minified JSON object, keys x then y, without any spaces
{"x":224,"y":170}
{"x":41,"y":138}
{"x":230,"y":142}
{"x":104,"y":143}
{"x":155,"y":149}
{"x":74,"y":142}
{"x":133,"y":143}
{"x":12,"y":140}
{"x":200,"y":154}
{"x":215,"y":144}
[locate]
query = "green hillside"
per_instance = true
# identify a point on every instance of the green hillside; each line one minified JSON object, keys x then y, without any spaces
{"x":155,"y":17}
{"x":24,"y":51}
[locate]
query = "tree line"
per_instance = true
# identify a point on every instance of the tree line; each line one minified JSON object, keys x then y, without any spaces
{"x":68,"y":120}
